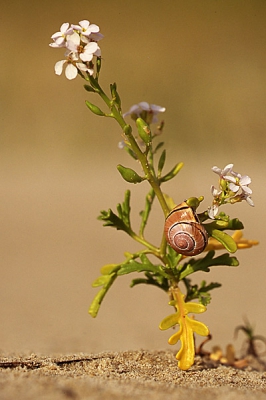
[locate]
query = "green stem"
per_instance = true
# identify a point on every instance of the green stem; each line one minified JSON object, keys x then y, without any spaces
{"x":148,"y":172}
{"x":146,"y":166}
{"x":134,"y":146}
{"x":144,"y":242}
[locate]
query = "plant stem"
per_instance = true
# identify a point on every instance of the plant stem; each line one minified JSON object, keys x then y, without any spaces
{"x":134,"y":146}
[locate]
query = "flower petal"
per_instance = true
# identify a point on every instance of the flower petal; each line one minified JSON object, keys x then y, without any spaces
{"x":64,"y":27}
{"x":71,"y":71}
{"x":213,"y":211}
{"x":86,"y":57}
{"x":249,"y":201}
{"x":156,"y":109}
{"x":234,"y":188}
{"x":73,"y":39}
{"x":84,"y":23}
{"x":144,"y":105}
{"x":215,"y":192}
{"x":58,"y":68}
{"x":91,"y":47}
{"x":246,"y":189}
{"x":245,"y":180}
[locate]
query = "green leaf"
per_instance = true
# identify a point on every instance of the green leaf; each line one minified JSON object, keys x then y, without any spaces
{"x":200,"y":292}
{"x":109,"y":269}
{"x":174,"y":171}
{"x":146,"y":212}
{"x":101,"y":281}
{"x":145,"y":265}
{"x":152,"y":279}
{"x":131,"y":152}
{"x":161,"y":162}
{"x":224,"y":223}
{"x":120,"y":221}
{"x":226,"y":240}
{"x":204,"y":264}
{"x":173,"y":257}
{"x":113,"y":220}
{"x":159,"y":145}
{"x":96,"y":303}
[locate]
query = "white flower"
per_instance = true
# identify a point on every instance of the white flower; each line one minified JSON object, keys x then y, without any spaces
{"x":235,"y":183}
{"x":223,"y":172}
{"x":213,"y":210}
{"x":70,"y":71}
{"x":248,"y":199}
{"x":239,"y":182}
{"x":72,"y":67}
{"x":215,"y":192}
{"x":86,"y":52}
{"x":86,"y":28}
{"x":153,"y":109}
{"x":59,"y":38}
{"x":84,"y":68}
{"x":121,"y":144}
{"x":95,"y":37}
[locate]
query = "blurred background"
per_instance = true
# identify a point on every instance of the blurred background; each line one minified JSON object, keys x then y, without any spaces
{"x":202,"y":60}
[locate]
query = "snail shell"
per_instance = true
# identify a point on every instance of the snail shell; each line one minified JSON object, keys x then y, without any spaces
{"x":184,"y":232}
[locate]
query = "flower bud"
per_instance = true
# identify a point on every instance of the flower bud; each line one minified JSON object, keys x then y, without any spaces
{"x":144,"y":131}
{"x":96,"y":110}
{"x":98,"y":64}
{"x":194,"y":202}
{"x":115,"y":96}
{"x":89,"y":88}
{"x":129,"y":174}
{"x":127,"y":130}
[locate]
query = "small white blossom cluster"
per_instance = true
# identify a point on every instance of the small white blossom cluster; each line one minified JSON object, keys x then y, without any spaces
{"x":143,"y":107}
{"x":81,"y":43}
{"x":233,"y":188}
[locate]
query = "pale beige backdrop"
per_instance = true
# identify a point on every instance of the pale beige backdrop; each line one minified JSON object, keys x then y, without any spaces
{"x":205,"y":62}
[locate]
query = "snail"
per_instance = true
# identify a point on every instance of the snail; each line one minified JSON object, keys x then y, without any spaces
{"x":184,"y":232}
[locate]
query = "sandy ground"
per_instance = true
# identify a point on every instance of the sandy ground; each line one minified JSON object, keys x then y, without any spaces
{"x":125,"y":375}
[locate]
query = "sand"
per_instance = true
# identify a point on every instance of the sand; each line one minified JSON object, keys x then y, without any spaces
{"x":125,"y":375}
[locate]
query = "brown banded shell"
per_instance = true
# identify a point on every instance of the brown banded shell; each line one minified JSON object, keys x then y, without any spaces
{"x":183,"y":231}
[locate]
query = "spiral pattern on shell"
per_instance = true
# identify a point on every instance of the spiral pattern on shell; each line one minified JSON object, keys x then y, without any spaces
{"x":184,"y":233}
